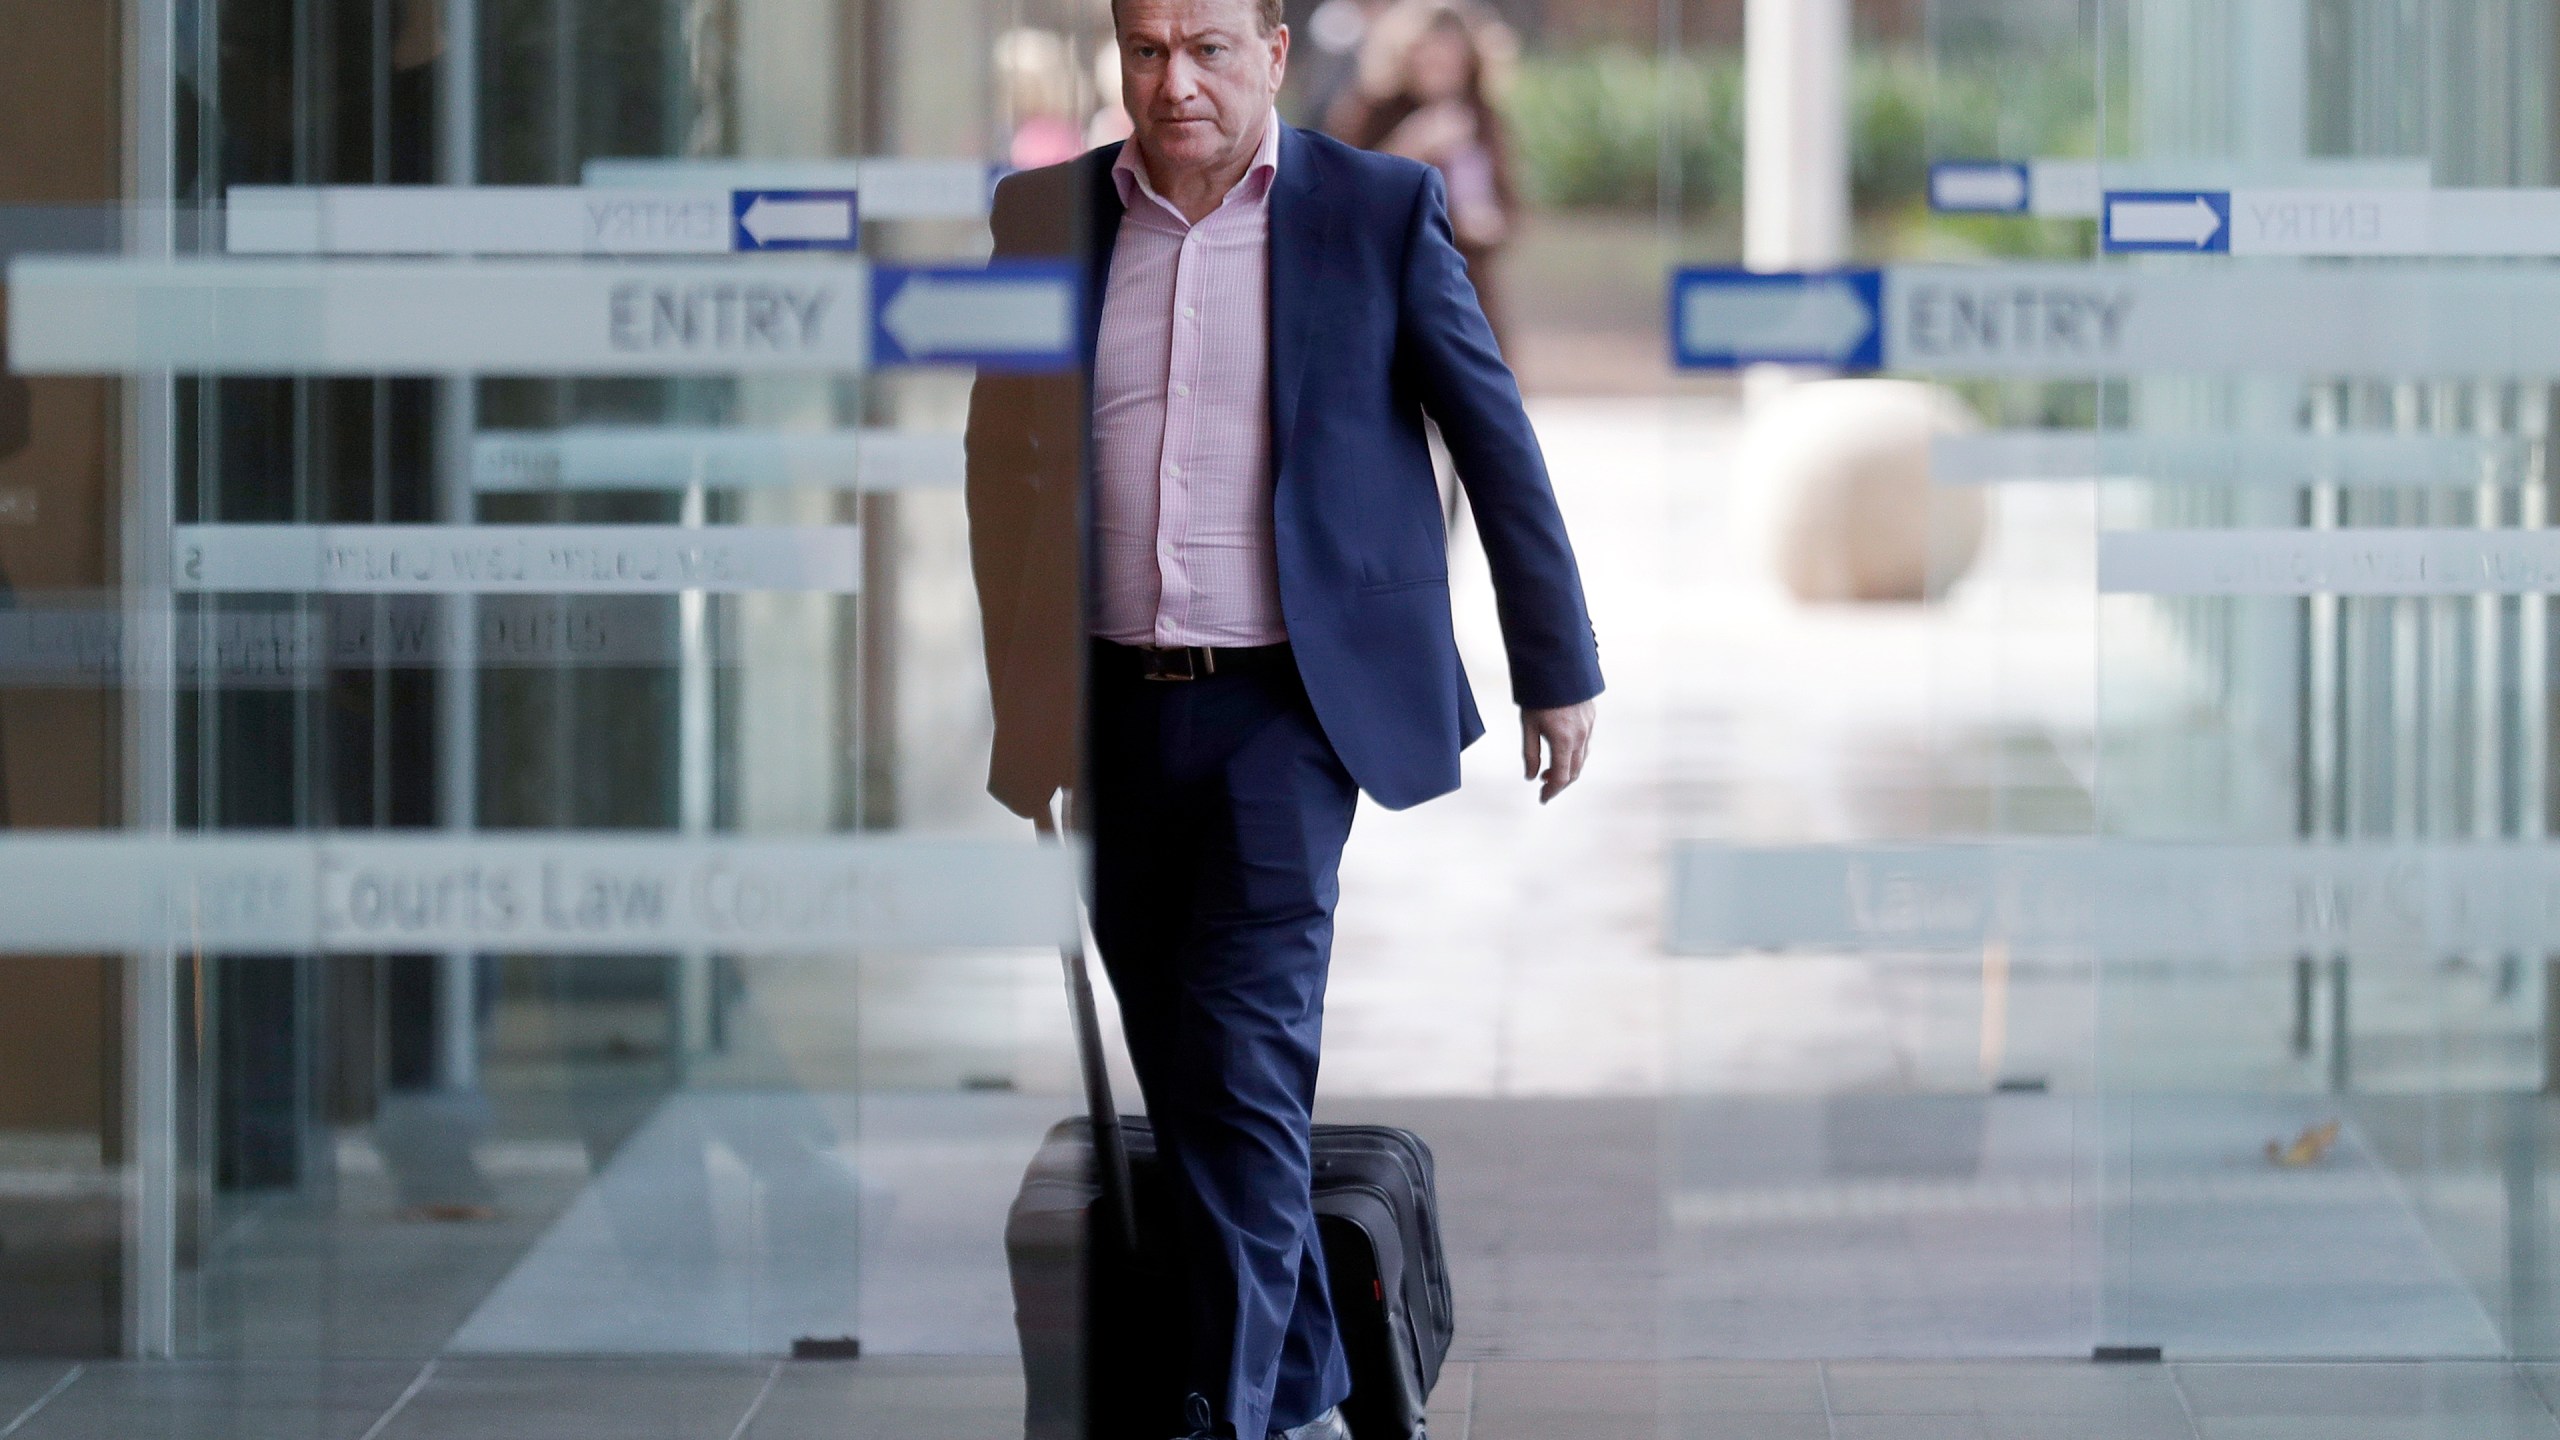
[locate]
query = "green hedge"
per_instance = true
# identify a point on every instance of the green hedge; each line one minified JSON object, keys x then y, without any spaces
{"x":1589,"y":128}
{"x":1589,"y":125}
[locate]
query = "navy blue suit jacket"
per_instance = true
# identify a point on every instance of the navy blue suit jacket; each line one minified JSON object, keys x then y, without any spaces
{"x":1374,"y":325}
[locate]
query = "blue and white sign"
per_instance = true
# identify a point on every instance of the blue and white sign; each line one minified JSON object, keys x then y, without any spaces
{"x":2509,"y":223}
{"x":894,"y":187}
{"x":796,"y":219}
{"x":1006,"y":316}
{"x":531,"y":220}
{"x":231,"y":315}
{"x":2451,"y":318}
{"x":1722,"y":319}
{"x":2061,"y":188}
{"x":225,"y":315}
{"x":2191,"y":222}
{"x":1979,"y":187}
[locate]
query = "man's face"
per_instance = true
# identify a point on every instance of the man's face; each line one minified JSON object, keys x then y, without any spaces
{"x":1198,"y":77}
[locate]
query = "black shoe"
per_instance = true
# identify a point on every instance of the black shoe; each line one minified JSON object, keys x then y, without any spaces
{"x":1327,"y":1426}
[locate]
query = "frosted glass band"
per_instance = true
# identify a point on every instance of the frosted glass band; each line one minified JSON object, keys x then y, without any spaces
{"x":2119,"y":899}
{"x":2329,"y":562}
{"x":520,"y":559}
{"x":579,"y":893}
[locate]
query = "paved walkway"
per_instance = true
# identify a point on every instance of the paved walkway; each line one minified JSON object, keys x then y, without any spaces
{"x":1488,"y":947}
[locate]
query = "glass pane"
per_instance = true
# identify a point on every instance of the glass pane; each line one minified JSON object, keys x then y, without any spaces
{"x":2155,"y":899}
{"x":502,"y":903}
{"x":2318,"y":1125}
{"x":1884,"y":674}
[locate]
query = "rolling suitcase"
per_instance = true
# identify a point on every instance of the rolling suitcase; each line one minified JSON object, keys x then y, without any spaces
{"x":1096,"y":1302}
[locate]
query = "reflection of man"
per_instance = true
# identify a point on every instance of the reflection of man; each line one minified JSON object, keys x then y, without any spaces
{"x":1268,"y":632}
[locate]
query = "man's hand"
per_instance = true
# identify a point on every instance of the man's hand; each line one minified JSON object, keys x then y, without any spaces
{"x":1566,"y":735}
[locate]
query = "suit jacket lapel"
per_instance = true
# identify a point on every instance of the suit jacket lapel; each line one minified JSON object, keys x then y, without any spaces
{"x":1298,"y":219}
{"x":1102,"y":211}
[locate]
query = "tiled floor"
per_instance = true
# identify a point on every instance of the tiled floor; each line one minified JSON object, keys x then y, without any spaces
{"x":926,"y":1399}
{"x":1913,"y":1227}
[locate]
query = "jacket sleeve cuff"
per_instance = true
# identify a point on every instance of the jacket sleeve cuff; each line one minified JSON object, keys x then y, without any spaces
{"x":1552,"y":687}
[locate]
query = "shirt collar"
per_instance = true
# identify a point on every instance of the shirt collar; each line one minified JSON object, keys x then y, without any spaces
{"x":1129,"y":172}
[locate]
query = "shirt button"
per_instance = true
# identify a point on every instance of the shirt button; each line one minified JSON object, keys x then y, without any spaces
{"x":1190,"y":314}
{"x":1182,"y":392}
{"x":1173,"y":472}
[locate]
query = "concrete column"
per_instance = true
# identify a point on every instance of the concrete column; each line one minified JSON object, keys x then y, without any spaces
{"x":932,"y":67}
{"x":789,"y":83}
{"x":1795,"y":158}
{"x":150,"y":699}
{"x":2273,"y":60}
{"x":787,"y":76}
{"x":457,"y":1060}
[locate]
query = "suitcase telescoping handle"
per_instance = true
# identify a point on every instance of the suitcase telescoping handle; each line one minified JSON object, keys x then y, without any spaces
{"x":1110,"y":1144}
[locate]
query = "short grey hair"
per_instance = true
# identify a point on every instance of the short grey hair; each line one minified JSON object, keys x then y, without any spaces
{"x":1268,"y":14}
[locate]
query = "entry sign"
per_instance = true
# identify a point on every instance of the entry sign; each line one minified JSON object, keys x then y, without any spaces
{"x":1021,"y":315}
{"x":259,"y":316}
{"x":1978,"y":187}
{"x":1722,"y":319}
{"x":795,"y":219}
{"x":2192,"y":222}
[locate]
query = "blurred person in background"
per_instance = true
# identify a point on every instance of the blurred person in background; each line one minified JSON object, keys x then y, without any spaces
{"x":1428,"y":72}
{"x":1040,"y":84}
{"x":1110,"y":124}
{"x":1331,"y":64}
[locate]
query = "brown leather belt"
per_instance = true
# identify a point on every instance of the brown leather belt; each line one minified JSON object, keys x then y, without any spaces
{"x":1188,"y":662}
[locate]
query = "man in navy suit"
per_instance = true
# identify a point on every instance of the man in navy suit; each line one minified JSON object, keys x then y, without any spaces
{"x":1225,"y":554}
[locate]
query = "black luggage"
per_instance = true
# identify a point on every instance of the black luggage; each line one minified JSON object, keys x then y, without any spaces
{"x":1095,"y":1299}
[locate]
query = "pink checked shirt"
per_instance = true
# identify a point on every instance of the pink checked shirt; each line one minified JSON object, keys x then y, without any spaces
{"x":1182,"y":419}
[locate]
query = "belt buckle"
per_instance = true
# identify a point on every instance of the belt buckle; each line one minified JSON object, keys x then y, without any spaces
{"x":1160,"y":663}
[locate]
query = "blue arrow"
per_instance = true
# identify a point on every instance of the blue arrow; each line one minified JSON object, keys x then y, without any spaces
{"x":795,"y":220}
{"x":1979,"y":187}
{"x":1017,"y":315}
{"x":2191,"y":222}
{"x":1722,"y":319}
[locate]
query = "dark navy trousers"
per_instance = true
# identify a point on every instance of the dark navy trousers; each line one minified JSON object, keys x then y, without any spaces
{"x":1218,"y":816}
